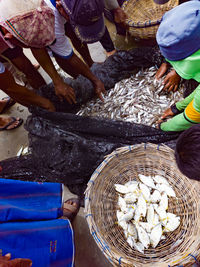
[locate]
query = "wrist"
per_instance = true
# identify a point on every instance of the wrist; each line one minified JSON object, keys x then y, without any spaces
{"x":95,"y":80}
{"x":175,"y":110}
{"x":57,"y":80}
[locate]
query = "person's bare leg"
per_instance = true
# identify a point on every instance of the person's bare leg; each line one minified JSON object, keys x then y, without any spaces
{"x":82,"y":48}
{"x":34,"y":78}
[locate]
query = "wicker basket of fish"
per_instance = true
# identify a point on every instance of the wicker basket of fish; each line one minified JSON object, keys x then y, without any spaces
{"x":142,"y":211}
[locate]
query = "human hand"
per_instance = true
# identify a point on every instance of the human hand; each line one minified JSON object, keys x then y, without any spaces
{"x":48,"y":105}
{"x":120,"y":16}
{"x":61,"y":10}
{"x":99,"y":89}
{"x":63,"y":90}
{"x":5,"y":261}
{"x":162,"y":70}
{"x":171,"y":81}
{"x":167,"y":113}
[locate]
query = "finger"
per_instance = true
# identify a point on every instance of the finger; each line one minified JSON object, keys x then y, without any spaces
{"x":171,"y":88}
{"x":8,"y":256}
{"x":68,"y":99}
{"x":72,"y":96}
{"x":100,"y":97}
{"x":159,"y":121}
{"x":165,"y":115}
{"x":103,"y":90}
{"x":175,"y":88}
{"x":21,"y":262}
{"x":72,"y":93}
{"x":166,"y":80}
{"x":159,"y":74}
{"x":167,"y":86}
{"x":60,"y":97}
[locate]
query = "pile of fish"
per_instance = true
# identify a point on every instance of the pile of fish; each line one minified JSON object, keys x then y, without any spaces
{"x":143,"y":213}
{"x":139,"y":99}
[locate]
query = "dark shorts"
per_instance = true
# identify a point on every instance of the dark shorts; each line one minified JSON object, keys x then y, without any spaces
{"x":12,"y":53}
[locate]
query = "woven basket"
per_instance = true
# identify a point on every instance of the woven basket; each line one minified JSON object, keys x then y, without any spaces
{"x":144,"y":16}
{"x":181,"y":247}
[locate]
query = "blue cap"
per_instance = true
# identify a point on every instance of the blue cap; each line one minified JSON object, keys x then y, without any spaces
{"x":178,"y":35}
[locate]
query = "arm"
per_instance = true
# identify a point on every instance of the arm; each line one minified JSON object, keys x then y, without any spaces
{"x":181,"y":105}
{"x":84,"y":70}
{"x":189,"y":117}
{"x":119,"y":14}
{"x":21,"y":94}
{"x":75,"y":66}
{"x":177,"y":123}
{"x":61,"y":89}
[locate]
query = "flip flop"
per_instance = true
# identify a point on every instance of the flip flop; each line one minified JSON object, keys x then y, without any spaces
{"x":70,"y":211}
{"x":20,"y":121}
{"x":10,"y":102}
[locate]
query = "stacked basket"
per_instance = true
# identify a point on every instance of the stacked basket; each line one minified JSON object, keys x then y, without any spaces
{"x":144,"y":16}
{"x":181,"y":247}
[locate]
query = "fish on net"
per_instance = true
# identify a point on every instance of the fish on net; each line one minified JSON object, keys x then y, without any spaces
{"x":138,"y":99}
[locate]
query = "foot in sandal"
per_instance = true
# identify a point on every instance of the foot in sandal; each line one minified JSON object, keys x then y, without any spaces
{"x":10,"y":123}
{"x":71,"y":208}
{"x":6,"y":103}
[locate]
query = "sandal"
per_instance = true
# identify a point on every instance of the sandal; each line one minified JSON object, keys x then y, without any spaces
{"x":13,"y":120}
{"x":69,"y":210}
{"x":10,"y":102}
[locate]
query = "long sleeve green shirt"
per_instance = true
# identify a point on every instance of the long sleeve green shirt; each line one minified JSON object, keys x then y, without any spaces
{"x":190,"y":107}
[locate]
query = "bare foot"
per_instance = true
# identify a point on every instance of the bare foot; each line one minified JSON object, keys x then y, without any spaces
{"x":9,"y":123}
{"x":108,"y":54}
{"x":5,"y":103}
{"x":71,"y":208}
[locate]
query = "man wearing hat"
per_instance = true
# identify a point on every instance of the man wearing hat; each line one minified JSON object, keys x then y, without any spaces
{"x":86,"y":23}
{"x":66,"y":58}
{"x":33,"y":24}
{"x":179,"y":40}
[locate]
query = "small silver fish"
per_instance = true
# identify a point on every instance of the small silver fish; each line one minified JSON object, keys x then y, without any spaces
{"x":138,"y":99}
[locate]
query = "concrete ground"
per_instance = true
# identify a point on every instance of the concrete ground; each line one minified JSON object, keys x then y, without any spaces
{"x":87,"y":252}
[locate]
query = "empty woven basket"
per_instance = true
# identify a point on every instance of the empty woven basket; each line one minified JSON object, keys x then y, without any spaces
{"x":182,"y":246}
{"x":144,"y":16}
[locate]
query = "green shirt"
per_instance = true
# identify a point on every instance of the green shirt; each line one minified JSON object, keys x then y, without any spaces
{"x":188,"y":68}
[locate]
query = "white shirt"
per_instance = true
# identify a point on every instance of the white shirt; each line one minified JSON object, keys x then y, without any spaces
{"x":62,"y":46}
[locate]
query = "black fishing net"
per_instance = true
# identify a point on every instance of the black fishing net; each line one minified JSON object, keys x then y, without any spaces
{"x":67,"y":148}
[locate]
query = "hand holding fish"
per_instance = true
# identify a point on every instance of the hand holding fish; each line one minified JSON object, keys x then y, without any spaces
{"x":172,"y":79}
{"x":167,"y":113}
{"x":99,"y":89}
{"x":162,"y":70}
